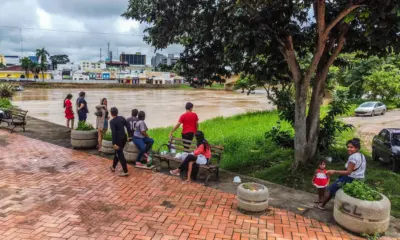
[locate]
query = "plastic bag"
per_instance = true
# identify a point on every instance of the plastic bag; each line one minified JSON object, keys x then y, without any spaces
{"x":237,"y":179}
{"x":201,"y":160}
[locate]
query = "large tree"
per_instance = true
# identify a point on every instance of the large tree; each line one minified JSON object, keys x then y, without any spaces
{"x":243,"y":35}
{"x":42,"y":55}
{"x":59,"y":59}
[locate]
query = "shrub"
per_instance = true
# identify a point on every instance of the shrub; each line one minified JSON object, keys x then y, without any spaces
{"x":6,"y":90}
{"x":83,"y":126}
{"x":281,"y":137}
{"x":362,"y":191}
{"x":107,"y":136}
{"x":5,"y":103}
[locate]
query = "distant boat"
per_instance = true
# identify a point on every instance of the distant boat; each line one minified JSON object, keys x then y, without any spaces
{"x":18,"y":88}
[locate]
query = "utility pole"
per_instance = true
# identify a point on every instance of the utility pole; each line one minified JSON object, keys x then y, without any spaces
{"x":22,"y":46}
{"x":100,"y":55}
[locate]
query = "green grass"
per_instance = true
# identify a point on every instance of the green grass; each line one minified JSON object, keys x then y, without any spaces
{"x":5,"y":103}
{"x":248,"y":152}
{"x":215,"y":86}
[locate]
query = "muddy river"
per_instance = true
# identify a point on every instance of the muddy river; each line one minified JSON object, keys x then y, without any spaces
{"x":163,"y":107}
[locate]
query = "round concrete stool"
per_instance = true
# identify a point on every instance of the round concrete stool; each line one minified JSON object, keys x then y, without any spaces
{"x":131,"y":152}
{"x":252,"y":197}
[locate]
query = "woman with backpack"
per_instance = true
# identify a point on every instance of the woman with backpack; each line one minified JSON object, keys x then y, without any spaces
{"x":102,"y":117}
{"x":200,"y":156}
{"x":354,"y":170}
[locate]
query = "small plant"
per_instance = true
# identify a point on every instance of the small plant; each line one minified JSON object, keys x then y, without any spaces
{"x":6,"y":90}
{"x":360,"y":190}
{"x":84,"y":126}
{"x":375,"y":236}
{"x":5,"y":103}
{"x":281,"y":137}
{"x":107,"y":136}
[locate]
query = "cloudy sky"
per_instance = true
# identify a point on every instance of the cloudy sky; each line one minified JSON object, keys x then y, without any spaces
{"x":69,"y":18}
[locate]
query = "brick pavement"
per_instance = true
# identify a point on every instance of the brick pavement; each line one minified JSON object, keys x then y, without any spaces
{"x":51,"y":192}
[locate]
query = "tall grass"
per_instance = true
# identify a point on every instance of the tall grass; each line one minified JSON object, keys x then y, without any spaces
{"x":243,"y":139}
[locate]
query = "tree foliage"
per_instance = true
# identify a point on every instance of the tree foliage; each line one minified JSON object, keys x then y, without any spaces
{"x":268,"y":39}
{"x":26,"y":65}
{"x":59,"y":59}
{"x":42,"y":55}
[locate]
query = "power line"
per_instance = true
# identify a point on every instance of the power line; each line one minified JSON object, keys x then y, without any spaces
{"x":71,"y":31}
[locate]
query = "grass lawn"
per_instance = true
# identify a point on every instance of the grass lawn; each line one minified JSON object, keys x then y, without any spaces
{"x":248,"y":152}
{"x":215,"y":86}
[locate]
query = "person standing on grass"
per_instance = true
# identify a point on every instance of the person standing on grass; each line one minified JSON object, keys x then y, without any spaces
{"x":355,"y":170}
{"x":141,"y":139}
{"x":119,"y":139}
{"x":190,"y":122}
{"x":101,"y":121}
{"x":82,"y":108}
{"x":69,"y":113}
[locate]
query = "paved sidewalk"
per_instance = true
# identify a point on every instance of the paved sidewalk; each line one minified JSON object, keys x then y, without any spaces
{"x":51,"y":192}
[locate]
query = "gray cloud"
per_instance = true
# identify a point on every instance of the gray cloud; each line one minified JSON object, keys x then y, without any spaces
{"x":85,"y":16}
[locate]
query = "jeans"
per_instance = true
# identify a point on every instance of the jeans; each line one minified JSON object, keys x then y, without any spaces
{"x":338,"y":184}
{"x":120,"y":157}
{"x":144,"y":145}
{"x":82,"y":116}
{"x":184,"y":166}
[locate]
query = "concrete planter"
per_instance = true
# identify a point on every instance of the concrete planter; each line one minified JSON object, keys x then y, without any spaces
{"x":361,"y":216}
{"x":84,"y":139}
{"x":131,"y":152}
{"x":107,"y":147}
{"x":252,"y":197}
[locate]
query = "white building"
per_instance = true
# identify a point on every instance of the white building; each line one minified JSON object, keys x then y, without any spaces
{"x":89,"y":65}
{"x":78,"y":75}
{"x":68,"y":66}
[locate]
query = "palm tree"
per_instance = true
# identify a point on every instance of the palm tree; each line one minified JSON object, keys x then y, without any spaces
{"x":42,"y":54}
{"x":26,"y":65}
{"x":35,"y":69}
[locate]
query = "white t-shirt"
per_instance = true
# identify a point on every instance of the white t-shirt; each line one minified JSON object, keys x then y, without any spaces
{"x":360,"y":165}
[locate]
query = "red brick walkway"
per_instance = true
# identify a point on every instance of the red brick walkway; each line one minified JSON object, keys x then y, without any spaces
{"x":50,"y":192}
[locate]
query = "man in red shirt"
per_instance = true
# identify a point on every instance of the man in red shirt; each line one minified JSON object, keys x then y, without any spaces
{"x":190,"y":123}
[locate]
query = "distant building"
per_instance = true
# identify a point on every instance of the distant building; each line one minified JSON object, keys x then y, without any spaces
{"x":2,"y":60}
{"x":33,"y":59}
{"x":11,"y":60}
{"x":133,"y":59}
{"x":161,"y":59}
{"x":88,"y":65}
{"x":68,"y":66}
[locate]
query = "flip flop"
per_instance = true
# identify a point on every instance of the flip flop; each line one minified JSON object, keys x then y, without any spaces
{"x":317,"y":206}
{"x":175,"y":174}
{"x":112,"y":169}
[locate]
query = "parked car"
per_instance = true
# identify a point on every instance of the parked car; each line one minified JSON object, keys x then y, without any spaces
{"x":371,"y":109}
{"x":386,"y":148}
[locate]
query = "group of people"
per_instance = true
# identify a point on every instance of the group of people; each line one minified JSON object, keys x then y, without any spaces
{"x":137,"y":131}
{"x":354,"y":170}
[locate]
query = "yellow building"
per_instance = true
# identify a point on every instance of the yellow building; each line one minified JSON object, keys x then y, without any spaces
{"x":21,"y":74}
{"x":2,"y":59}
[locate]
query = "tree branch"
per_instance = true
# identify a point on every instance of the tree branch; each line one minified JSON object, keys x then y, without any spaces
{"x":341,"y":15}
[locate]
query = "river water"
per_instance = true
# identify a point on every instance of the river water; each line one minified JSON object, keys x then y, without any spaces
{"x":162,"y":106}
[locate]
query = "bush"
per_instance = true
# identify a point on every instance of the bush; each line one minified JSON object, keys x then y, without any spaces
{"x":5,"y":103}
{"x":6,"y":90}
{"x":281,"y":137}
{"x":83,"y":126}
{"x":107,"y":136}
{"x":362,"y":191}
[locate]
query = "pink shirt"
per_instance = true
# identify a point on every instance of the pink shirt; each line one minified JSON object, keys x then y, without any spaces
{"x":200,"y":150}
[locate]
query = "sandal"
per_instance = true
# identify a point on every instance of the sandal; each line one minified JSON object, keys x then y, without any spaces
{"x":112,"y":169}
{"x":175,"y":174}
{"x":317,"y":206}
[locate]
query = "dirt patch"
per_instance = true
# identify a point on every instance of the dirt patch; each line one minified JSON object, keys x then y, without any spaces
{"x":167,"y":204}
{"x":68,"y":164}
{"x":51,"y":170}
{"x":3,"y":141}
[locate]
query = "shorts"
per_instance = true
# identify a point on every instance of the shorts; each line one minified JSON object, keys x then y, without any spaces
{"x":82,"y":116}
{"x":338,"y":184}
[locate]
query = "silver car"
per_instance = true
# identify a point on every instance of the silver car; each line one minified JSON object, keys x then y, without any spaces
{"x":371,"y":109}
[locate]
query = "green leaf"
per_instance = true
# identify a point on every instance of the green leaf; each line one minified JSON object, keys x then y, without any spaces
{"x":349,"y":17}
